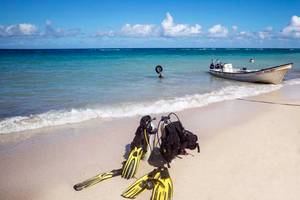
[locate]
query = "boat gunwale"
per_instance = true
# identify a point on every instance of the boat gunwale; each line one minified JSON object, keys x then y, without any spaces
{"x":255,"y":71}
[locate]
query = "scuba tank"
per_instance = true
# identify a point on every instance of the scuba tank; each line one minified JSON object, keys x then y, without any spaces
{"x":152,"y":139}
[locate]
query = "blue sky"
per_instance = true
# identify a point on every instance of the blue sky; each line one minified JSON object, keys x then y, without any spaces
{"x":145,"y":23}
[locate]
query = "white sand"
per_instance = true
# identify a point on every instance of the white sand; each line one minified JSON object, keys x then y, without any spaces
{"x":249,"y":150}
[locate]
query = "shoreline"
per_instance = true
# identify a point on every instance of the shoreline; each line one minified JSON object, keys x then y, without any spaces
{"x":236,"y":159}
{"x":16,"y":126}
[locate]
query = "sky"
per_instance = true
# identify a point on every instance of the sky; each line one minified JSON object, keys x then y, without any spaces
{"x":149,"y":23}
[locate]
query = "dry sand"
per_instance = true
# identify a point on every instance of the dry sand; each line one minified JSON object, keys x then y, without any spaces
{"x":249,"y":150}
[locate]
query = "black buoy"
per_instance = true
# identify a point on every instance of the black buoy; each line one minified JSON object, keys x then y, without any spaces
{"x":159,"y":70}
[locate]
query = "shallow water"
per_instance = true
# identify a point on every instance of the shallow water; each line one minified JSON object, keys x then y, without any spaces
{"x":50,"y":87}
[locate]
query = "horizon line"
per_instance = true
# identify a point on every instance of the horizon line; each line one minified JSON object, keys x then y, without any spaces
{"x":82,"y":48}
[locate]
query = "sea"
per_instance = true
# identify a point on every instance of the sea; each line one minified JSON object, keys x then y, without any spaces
{"x":43,"y":88}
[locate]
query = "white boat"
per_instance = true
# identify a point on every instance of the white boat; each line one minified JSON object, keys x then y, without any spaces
{"x":271,"y":75}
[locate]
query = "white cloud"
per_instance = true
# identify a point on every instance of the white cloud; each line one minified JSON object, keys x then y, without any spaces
{"x":13,"y":30}
{"x":244,"y":35}
{"x":170,"y":29}
{"x":293,"y":29}
{"x":263,"y":35}
{"x":104,"y":33}
{"x":234,"y":28}
{"x":139,"y":30}
{"x":167,"y":29}
{"x":266,"y":33}
{"x":218,"y":31}
{"x":28,"y":29}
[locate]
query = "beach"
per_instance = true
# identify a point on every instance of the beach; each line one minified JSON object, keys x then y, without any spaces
{"x":149,"y":100}
{"x":249,"y":150}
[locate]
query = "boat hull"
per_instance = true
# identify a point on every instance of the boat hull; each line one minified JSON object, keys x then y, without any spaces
{"x":272,"y":75}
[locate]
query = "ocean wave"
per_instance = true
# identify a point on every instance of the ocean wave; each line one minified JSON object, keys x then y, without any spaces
{"x":61,"y":117}
{"x":295,"y":81}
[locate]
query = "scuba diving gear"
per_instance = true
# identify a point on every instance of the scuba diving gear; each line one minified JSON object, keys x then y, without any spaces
{"x":128,"y":170}
{"x":175,"y":139}
{"x":96,"y":179}
{"x":145,"y":182}
{"x":145,"y":136}
{"x":163,"y":189}
{"x":170,"y":139}
{"x":130,"y":166}
{"x":141,"y":138}
{"x":158,"y":181}
{"x":139,"y":147}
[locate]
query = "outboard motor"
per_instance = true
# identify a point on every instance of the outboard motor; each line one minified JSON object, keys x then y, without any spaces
{"x":159,"y":70}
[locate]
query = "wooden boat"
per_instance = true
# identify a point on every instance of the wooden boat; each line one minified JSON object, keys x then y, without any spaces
{"x":271,"y":75}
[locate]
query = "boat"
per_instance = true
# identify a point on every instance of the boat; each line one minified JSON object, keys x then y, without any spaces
{"x":270,"y":75}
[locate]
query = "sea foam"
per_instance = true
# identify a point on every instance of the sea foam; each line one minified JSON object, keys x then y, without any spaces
{"x":61,"y":117}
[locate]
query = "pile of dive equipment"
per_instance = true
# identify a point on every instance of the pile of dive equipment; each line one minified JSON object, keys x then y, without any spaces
{"x":170,"y":139}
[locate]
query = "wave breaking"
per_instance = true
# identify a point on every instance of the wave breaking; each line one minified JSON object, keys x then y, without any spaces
{"x":61,"y":117}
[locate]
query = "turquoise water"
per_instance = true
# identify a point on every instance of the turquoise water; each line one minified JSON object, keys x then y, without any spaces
{"x":52,"y":87}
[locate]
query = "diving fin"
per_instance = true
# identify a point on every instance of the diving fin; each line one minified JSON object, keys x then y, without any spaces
{"x":158,"y":181}
{"x":96,"y":179}
{"x":163,"y":189}
{"x":145,"y":182}
{"x":130,"y":166}
{"x":127,"y":171}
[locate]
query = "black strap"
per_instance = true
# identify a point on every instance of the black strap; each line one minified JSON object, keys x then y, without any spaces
{"x":198,"y":147}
